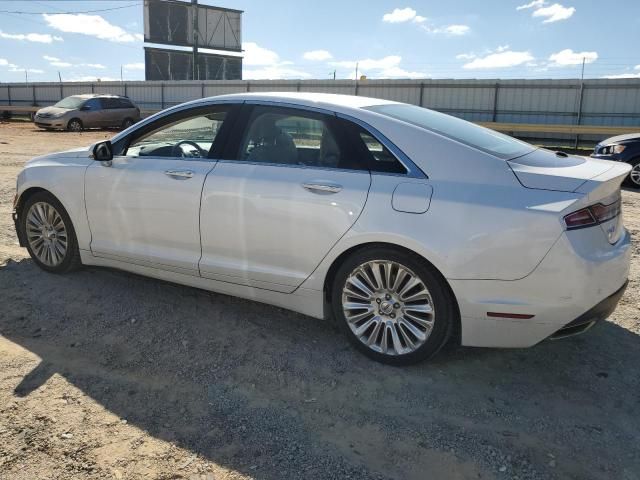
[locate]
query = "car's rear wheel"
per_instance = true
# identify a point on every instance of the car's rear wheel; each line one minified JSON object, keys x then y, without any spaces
{"x":634,"y":175}
{"x":393,"y":306}
{"x":74,"y":125}
{"x":49,"y":234}
{"x":126,"y":123}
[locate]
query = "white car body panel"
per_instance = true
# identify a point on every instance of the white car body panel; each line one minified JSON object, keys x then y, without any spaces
{"x":500,"y":245}
{"x":138,"y":212}
{"x":261,"y":226}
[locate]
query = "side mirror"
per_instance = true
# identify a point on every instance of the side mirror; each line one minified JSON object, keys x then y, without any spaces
{"x":84,"y":108}
{"x":103,"y":151}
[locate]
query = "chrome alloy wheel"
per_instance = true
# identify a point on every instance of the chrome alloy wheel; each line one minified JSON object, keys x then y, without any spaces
{"x":47,"y":234}
{"x":635,"y":174}
{"x":388,"y":307}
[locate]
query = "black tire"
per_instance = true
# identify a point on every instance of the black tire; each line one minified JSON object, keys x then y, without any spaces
{"x":126,"y":123}
{"x":75,"y":125}
{"x":635,"y":164}
{"x":71,"y":260}
{"x":443,"y":303}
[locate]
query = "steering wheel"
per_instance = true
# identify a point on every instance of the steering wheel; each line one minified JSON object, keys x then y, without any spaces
{"x":177,"y":151}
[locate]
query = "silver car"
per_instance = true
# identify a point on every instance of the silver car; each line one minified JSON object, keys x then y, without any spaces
{"x":78,"y":112}
{"x":408,"y":227}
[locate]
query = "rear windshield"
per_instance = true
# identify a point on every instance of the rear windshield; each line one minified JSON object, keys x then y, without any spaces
{"x":70,"y":102}
{"x":484,"y":139}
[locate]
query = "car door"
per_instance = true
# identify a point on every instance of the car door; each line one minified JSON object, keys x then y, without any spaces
{"x":289,"y":189}
{"x":92,"y":113}
{"x":111,"y":112}
{"x":143,"y":207}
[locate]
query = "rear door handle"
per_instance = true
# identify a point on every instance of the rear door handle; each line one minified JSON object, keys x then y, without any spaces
{"x":322,"y":187}
{"x":179,"y":173}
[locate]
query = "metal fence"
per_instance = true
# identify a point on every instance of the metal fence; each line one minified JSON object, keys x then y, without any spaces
{"x":569,"y":102}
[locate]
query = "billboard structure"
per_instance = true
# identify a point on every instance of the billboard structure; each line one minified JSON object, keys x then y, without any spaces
{"x":181,"y":24}
{"x":165,"y":64}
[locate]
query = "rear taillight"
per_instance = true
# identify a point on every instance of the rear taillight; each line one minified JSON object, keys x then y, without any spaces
{"x":593,"y":215}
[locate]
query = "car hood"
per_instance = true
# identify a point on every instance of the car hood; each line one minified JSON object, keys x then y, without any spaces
{"x":68,"y":156}
{"x":53,"y":110}
{"x":621,"y":138}
{"x":546,"y":170}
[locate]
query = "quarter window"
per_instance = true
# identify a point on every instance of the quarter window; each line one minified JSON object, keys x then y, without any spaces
{"x":188,"y":137}
{"x":380,"y":158}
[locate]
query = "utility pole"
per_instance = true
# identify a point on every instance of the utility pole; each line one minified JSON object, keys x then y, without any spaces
{"x":59,"y":76}
{"x":357,"y":71}
{"x":121,"y":73}
{"x":580,"y":100}
{"x":26,"y":76}
{"x":194,"y":8}
{"x":334,"y":74}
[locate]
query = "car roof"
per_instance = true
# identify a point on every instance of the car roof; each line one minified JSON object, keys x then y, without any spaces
{"x":97,"y":95}
{"x":329,"y":101}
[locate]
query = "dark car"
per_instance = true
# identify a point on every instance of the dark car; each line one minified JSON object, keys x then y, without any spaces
{"x":78,"y":112}
{"x":623,"y":148}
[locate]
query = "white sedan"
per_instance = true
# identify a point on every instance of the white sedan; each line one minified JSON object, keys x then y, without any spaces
{"x":409,"y":227}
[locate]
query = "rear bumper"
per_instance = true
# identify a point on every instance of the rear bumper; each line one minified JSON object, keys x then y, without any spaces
{"x":588,"y":319}
{"x":581,"y":278}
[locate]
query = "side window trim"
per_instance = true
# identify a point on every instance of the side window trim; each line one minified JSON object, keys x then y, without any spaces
{"x":412,"y":169}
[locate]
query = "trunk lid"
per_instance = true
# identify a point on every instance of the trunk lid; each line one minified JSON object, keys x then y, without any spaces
{"x":597,"y":180}
{"x":546,"y":170}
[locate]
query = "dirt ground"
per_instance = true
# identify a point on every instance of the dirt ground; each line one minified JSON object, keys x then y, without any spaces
{"x":108,"y":375}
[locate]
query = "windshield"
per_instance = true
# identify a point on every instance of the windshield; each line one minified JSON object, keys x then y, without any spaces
{"x":484,"y":139}
{"x":70,"y":102}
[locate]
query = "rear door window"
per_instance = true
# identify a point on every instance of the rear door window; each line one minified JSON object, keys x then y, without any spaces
{"x":289,"y":136}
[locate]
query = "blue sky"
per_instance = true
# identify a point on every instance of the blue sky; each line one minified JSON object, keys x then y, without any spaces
{"x":298,"y":39}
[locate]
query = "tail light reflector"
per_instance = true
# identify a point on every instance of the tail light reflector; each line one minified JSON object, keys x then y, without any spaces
{"x":593,"y":215}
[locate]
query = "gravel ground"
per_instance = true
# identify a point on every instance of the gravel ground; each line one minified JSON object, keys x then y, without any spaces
{"x":108,"y":375}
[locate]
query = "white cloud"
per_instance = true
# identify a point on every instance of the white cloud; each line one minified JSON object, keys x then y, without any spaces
{"x":466,"y":56}
{"x":550,"y":13}
{"x":92,"y":25}
{"x":16,"y":68}
{"x":386,"y":67}
{"x":622,"y":76}
{"x":275,"y":72}
{"x":317,"y":55}
{"x":134,"y":66}
{"x":453,"y":30}
{"x":401,"y":15}
{"x":31,"y":37}
{"x":504,"y":59}
{"x":554,"y":13}
{"x":257,"y":55}
{"x":90,"y":78}
{"x":4,"y":62}
{"x":533,"y":4}
{"x":56,"y":62}
{"x":568,"y":57}
{"x":271,"y":67}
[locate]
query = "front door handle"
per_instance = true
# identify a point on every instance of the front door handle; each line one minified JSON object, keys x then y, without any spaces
{"x":322,"y":187}
{"x":178,"y":174}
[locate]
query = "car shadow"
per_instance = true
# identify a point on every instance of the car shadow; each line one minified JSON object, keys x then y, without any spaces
{"x":273,"y":394}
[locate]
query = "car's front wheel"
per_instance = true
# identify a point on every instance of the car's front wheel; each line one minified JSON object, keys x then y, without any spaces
{"x":49,"y":234}
{"x":74,"y":125}
{"x":634,"y":175}
{"x":393,"y":306}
